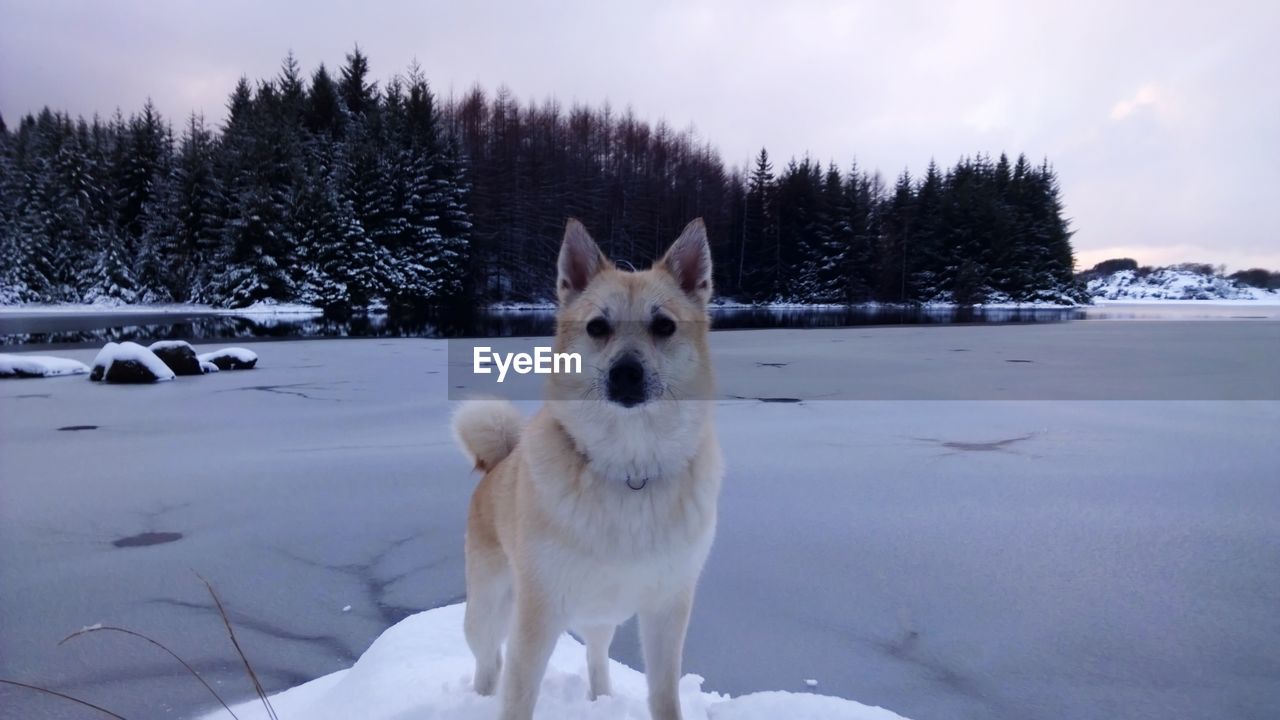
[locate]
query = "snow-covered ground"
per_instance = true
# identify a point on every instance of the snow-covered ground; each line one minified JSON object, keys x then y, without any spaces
{"x":950,"y":556}
{"x":28,"y":365}
{"x":258,"y":308}
{"x":421,"y":668}
{"x":1173,"y":283}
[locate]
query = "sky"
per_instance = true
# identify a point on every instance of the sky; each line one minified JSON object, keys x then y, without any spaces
{"x":1160,"y":117}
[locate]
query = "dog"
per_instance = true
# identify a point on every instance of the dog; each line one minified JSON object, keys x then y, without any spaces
{"x":602,"y":506}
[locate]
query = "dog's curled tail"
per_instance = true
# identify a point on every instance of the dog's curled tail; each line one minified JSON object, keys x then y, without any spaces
{"x":487,"y":430}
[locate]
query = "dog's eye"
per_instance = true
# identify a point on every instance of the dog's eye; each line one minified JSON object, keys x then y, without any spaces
{"x":662,"y":326}
{"x":598,"y":328}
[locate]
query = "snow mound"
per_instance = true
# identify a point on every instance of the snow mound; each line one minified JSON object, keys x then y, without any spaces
{"x":421,"y":668}
{"x":270,"y":307}
{"x":39,"y":366}
{"x":1173,"y":283}
{"x":129,"y":362}
{"x":168,"y":345}
{"x":232,"y":358}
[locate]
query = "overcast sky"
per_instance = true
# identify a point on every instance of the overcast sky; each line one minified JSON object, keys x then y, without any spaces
{"x":1162,"y":118}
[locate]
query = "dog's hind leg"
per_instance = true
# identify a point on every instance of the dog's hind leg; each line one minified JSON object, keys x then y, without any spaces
{"x":598,"y":639}
{"x":488,"y":615}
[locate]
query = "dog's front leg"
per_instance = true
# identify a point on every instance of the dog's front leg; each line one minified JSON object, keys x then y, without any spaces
{"x":662,"y":631}
{"x":536,"y":629}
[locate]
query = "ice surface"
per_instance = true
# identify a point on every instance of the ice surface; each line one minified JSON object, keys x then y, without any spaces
{"x":25,"y":365}
{"x":969,"y":560}
{"x":421,"y":667}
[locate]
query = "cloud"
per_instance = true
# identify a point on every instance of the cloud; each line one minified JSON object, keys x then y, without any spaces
{"x":1146,"y":96}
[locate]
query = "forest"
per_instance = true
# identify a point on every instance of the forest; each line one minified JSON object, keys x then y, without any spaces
{"x":331,"y":189}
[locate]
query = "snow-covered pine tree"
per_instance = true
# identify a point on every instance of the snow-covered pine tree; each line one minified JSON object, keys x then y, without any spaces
{"x":144,"y":151}
{"x":798,"y":224}
{"x":153,"y":263}
{"x":928,"y":236}
{"x":326,"y":228}
{"x":431,"y":223}
{"x":859,"y":259}
{"x":257,"y":249}
{"x":198,"y":213}
{"x":452,"y":263}
{"x":12,"y":288}
{"x":367,"y":267}
{"x":831,"y":238}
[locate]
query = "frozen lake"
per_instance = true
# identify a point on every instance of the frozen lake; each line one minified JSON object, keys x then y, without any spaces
{"x":922,"y":544}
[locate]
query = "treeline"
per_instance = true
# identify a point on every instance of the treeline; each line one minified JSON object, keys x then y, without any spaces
{"x":334,"y":191}
{"x":328,"y":191}
{"x":1253,"y":277}
{"x":978,"y":231}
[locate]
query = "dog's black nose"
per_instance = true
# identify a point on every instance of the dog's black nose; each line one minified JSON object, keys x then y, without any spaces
{"x":626,"y":382}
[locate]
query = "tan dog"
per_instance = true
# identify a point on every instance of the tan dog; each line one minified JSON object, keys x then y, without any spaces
{"x":604,"y":505}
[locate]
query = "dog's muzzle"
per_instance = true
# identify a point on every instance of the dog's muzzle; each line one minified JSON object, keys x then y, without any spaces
{"x":627,"y":382}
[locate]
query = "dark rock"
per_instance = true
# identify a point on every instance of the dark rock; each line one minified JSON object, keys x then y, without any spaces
{"x":124,"y":371}
{"x":179,"y":356}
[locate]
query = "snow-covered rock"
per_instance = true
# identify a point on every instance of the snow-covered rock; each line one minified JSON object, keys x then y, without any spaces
{"x":1173,"y":283}
{"x":421,"y":668}
{"x":178,"y":355}
{"x":129,"y":362}
{"x":207,"y":367}
{"x":28,"y":366}
{"x":232,"y":358}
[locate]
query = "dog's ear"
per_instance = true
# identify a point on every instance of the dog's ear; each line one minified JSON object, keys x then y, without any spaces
{"x":689,"y":261}
{"x":580,"y":261}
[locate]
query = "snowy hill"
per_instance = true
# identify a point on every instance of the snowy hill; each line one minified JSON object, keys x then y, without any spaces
{"x":1172,"y":283}
{"x":421,"y":668}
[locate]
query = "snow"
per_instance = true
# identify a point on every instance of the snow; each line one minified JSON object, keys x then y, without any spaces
{"x":260,"y":308}
{"x":243,"y":355}
{"x":421,"y":668}
{"x":39,"y":366}
{"x":130,"y":351}
{"x":208,"y":367}
{"x":1174,"y":283}
{"x":167,"y":344}
{"x":263,"y":307}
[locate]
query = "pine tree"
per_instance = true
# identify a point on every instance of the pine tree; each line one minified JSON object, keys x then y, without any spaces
{"x":12,"y":257}
{"x":833,"y":238}
{"x":859,"y":259}
{"x":928,"y":238}
{"x":897,"y":243}
{"x":257,"y":250}
{"x":759,"y":265}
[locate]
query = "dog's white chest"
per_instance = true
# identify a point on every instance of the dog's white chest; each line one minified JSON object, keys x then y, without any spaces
{"x":612,"y":592}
